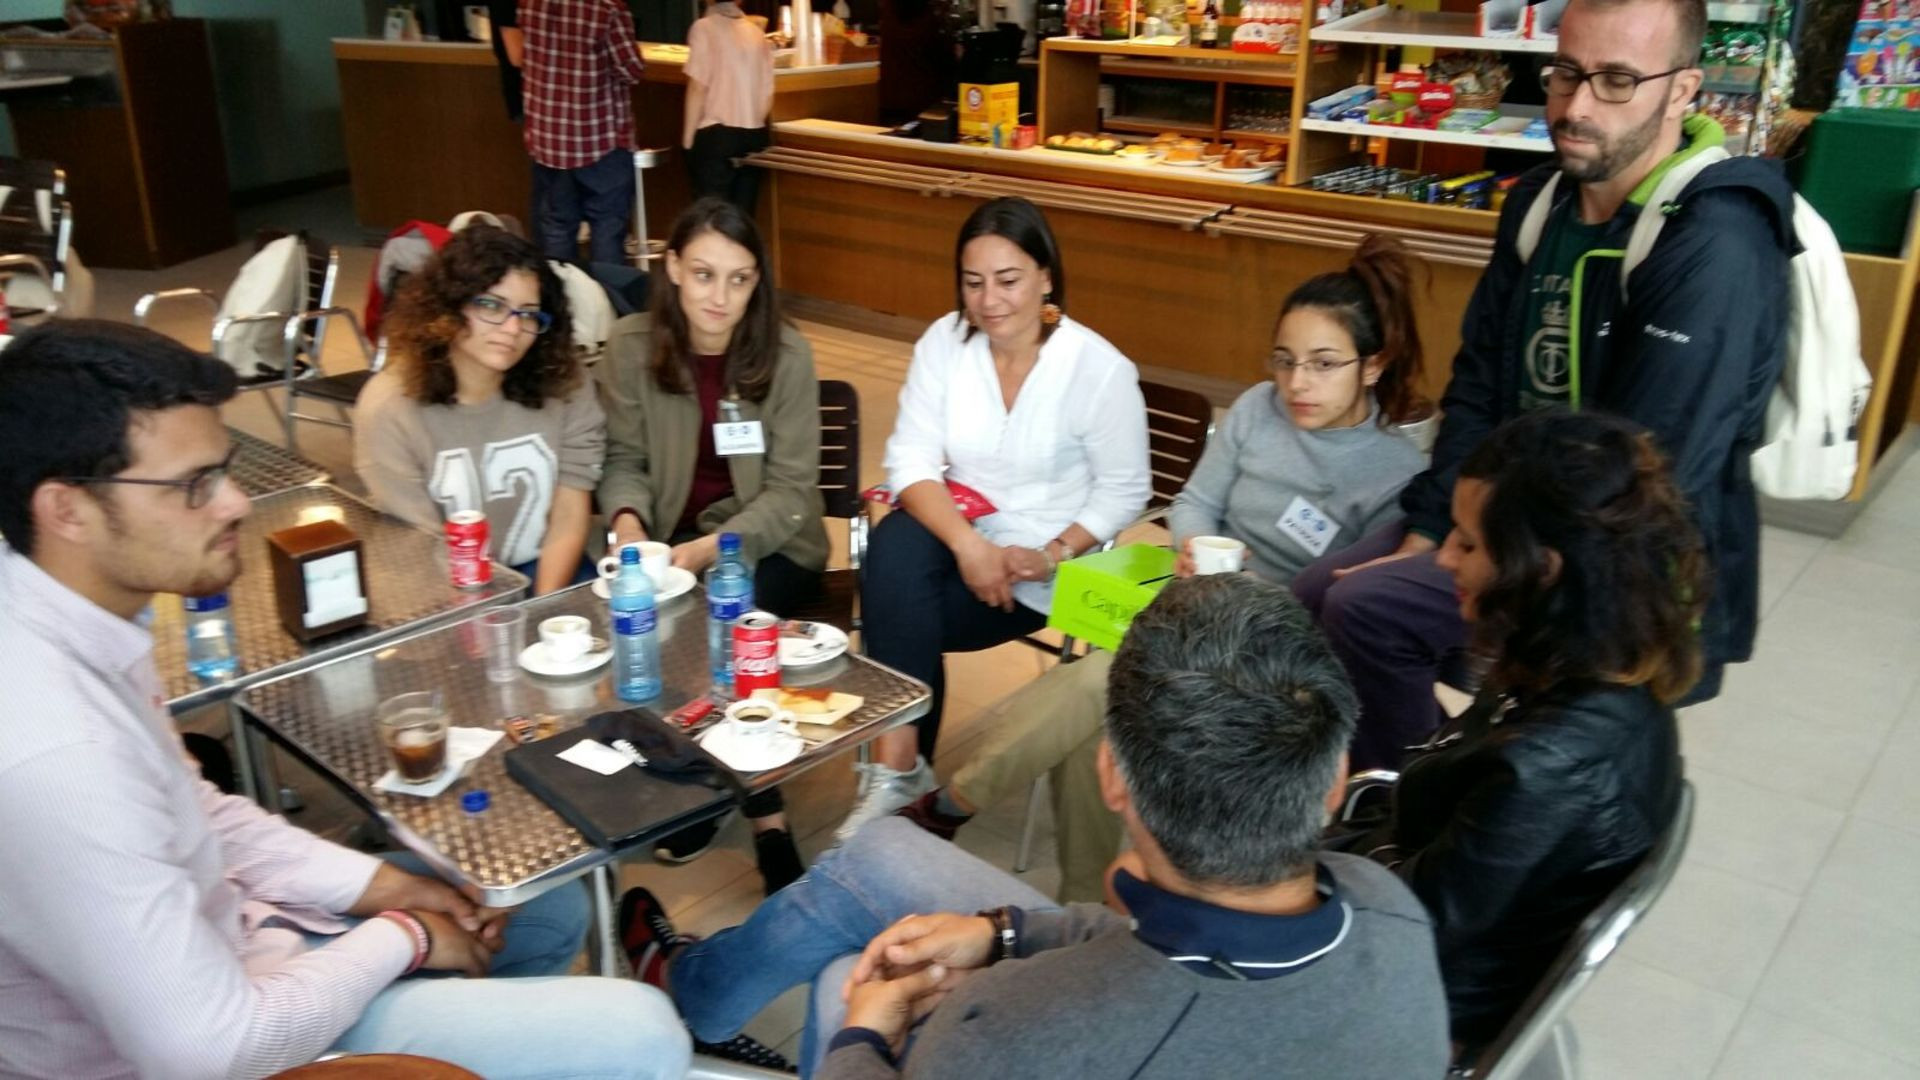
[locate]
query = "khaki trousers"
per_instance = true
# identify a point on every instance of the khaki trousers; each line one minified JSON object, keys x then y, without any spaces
{"x":1053,"y":725}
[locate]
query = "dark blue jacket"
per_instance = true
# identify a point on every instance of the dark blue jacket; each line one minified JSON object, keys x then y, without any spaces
{"x":1693,"y":357}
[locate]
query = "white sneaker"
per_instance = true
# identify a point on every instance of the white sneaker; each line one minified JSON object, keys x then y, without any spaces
{"x":884,"y":790}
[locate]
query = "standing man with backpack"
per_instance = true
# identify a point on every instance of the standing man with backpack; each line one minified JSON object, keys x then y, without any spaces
{"x":1687,"y":341}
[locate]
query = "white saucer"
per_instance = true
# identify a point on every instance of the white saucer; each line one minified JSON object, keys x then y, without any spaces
{"x":827,"y":643}
{"x":535,"y":659}
{"x":679,"y":583}
{"x":755,"y":754}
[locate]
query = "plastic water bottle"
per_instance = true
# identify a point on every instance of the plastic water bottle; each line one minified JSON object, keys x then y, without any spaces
{"x":729,"y":596}
{"x":210,"y":651}
{"x":636,"y":631}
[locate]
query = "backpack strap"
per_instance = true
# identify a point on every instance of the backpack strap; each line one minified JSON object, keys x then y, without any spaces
{"x":1535,"y":223}
{"x":1662,"y":203}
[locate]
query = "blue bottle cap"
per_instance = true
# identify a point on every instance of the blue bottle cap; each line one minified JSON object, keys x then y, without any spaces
{"x":474,"y":801}
{"x":729,"y":543}
{"x":198,"y":604}
{"x":629,"y":556}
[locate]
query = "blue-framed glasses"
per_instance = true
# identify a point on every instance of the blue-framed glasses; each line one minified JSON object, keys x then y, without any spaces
{"x":493,"y":311}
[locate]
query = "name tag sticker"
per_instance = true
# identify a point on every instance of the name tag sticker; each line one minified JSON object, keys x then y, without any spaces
{"x":739,"y":437}
{"x":1305,"y":525}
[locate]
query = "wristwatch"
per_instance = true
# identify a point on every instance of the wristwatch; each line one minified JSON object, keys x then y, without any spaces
{"x":1005,"y":940}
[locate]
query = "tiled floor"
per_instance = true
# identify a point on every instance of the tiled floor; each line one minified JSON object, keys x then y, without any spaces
{"x":1788,"y":945}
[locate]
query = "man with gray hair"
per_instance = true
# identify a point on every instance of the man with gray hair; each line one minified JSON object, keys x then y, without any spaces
{"x":1245,"y":950}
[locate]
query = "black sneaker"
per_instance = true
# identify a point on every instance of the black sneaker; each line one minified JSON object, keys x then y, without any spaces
{"x":780,"y":864}
{"x":689,"y":843}
{"x":648,"y":936}
{"x":746,"y":1051}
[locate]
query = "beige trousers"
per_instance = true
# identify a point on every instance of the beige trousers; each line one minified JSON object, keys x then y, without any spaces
{"x":1053,"y":725}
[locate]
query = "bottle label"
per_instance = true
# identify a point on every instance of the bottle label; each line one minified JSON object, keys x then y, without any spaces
{"x":730,"y":609}
{"x":627,"y":623}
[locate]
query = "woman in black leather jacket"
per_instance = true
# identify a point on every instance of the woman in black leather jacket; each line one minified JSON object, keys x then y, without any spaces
{"x":1580,"y":571}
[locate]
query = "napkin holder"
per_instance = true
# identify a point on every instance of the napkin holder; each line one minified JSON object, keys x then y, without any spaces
{"x":319,"y":579}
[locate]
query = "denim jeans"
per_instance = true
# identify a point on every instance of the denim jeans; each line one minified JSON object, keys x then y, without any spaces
{"x":600,"y":194}
{"x":528,"y":1018}
{"x":811,"y":930}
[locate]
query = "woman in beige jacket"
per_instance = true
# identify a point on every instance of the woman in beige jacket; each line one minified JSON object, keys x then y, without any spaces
{"x":715,"y":350}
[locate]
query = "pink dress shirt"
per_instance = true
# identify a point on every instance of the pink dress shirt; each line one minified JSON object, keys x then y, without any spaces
{"x":149,"y":925}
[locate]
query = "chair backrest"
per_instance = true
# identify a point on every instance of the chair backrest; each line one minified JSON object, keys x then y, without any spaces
{"x":35,"y":218}
{"x":1599,"y":935}
{"x":322,"y":272}
{"x":840,"y":448}
{"x":1178,"y":423}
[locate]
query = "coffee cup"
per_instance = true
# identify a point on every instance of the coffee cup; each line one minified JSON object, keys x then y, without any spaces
{"x":1217,"y":554}
{"x":566,"y":637}
{"x":655,"y":558}
{"x":753,"y":719}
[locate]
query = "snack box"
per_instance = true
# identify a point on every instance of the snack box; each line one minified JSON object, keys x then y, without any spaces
{"x":1095,"y":597}
{"x":1332,"y":103}
{"x":1468,"y":119}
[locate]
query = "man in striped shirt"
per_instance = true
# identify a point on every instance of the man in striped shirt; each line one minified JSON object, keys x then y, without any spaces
{"x":149,"y":925}
{"x":580,"y":63}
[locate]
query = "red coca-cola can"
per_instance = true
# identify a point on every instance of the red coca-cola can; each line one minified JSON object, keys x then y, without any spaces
{"x":467,"y":561}
{"x":756,"y":653}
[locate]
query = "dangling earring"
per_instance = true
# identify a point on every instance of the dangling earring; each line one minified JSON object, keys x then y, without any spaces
{"x":1050,"y":312}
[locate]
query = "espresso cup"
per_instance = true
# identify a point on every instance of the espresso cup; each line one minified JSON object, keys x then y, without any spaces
{"x":1217,"y":554}
{"x":753,"y":719}
{"x":566,"y":637}
{"x":655,"y":558}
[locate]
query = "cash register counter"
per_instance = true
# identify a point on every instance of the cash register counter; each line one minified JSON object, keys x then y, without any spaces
{"x":1182,"y":269}
{"x":428,"y":136}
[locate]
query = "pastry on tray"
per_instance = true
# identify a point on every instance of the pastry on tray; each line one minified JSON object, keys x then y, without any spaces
{"x":1183,"y":153}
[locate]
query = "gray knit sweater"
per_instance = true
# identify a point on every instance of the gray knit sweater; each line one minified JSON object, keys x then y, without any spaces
{"x":1089,"y":999}
{"x":1257,"y":463}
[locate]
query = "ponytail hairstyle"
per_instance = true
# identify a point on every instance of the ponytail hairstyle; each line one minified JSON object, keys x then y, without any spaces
{"x":1626,"y":602}
{"x":1373,"y":299}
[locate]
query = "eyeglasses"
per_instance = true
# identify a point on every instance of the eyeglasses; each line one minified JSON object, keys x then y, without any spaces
{"x":493,"y":311}
{"x":201,"y":487}
{"x":1317,"y":366}
{"x":1612,"y":87}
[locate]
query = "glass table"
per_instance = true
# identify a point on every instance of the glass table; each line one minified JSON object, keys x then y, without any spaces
{"x":519,"y":847}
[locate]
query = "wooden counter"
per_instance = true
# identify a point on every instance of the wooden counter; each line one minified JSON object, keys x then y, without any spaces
{"x":428,"y":136}
{"x":1152,"y":262}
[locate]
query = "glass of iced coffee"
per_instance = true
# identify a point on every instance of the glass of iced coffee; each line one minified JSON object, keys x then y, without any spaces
{"x":413,"y":727}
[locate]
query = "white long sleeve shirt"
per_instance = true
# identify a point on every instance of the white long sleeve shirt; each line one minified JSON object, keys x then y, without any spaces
{"x":1073,"y":449}
{"x":149,"y":925}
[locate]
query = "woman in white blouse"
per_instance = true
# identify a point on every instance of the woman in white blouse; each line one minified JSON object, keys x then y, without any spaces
{"x":1042,"y":416}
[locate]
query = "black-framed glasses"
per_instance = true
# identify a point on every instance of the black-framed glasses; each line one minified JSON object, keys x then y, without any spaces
{"x":1317,"y":366}
{"x":1611,"y":86}
{"x":493,"y":311}
{"x":201,"y":487}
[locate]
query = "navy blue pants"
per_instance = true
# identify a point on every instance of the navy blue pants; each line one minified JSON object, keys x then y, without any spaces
{"x":600,"y":194}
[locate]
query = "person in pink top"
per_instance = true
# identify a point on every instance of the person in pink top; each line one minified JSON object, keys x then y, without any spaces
{"x":729,"y":93}
{"x":149,"y":925}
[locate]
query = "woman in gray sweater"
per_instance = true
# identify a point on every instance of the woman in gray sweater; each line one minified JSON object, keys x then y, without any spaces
{"x":1303,"y":464}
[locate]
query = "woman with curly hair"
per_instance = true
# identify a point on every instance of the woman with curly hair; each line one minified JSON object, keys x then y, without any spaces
{"x":485,"y":407}
{"x":1583,"y":578}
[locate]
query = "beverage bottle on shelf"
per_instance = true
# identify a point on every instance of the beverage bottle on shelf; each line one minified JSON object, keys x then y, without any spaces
{"x":210,"y":652}
{"x":1210,"y":25}
{"x":729,"y":596}
{"x":636,"y":631}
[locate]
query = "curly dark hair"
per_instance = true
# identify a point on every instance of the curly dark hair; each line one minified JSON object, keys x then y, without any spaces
{"x":1625,"y":606}
{"x":430,"y":313}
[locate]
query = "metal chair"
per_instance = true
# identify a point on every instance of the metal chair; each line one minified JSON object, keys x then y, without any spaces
{"x":1179,"y":423}
{"x":643,"y":160}
{"x":839,"y":598}
{"x":322,"y":273}
{"x":306,"y":330}
{"x":1537,"y":1044}
{"x":36,"y":226}
{"x":712,"y":1068}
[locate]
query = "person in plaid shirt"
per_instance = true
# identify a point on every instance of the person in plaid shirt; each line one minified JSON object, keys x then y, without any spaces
{"x":580,"y":61}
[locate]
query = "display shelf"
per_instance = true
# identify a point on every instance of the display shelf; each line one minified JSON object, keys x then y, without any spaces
{"x":1164,"y":52}
{"x":1248,"y":75}
{"x":1386,"y":25}
{"x":1738,"y":13}
{"x":1147,"y":125}
{"x":1243,"y":134}
{"x":1450,"y":138}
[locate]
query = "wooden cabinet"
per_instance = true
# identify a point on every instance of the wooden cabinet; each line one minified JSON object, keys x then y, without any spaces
{"x":138,"y":134}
